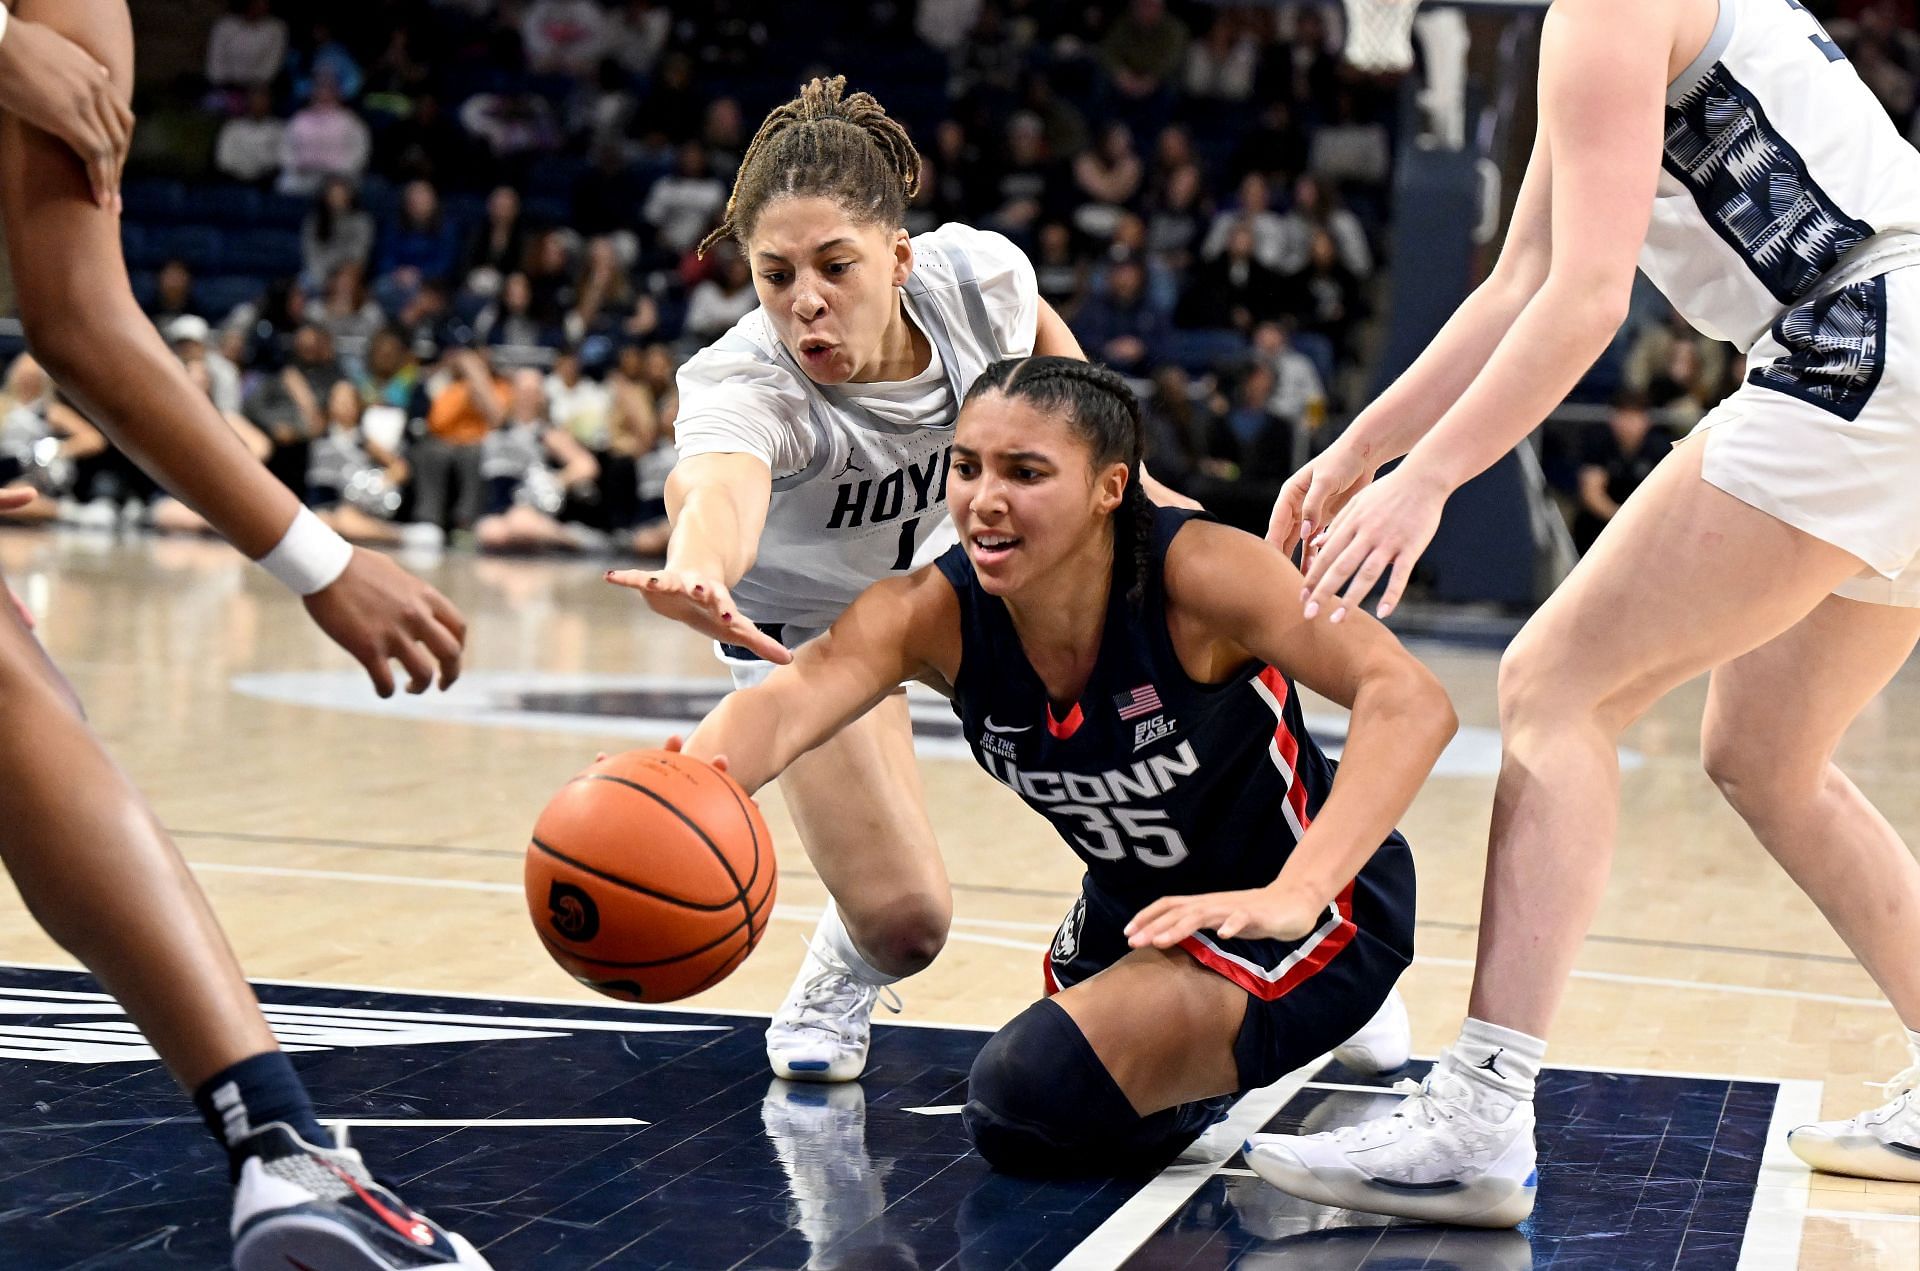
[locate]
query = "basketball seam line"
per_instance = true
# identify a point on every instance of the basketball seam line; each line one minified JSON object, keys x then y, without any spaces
{"x":746,"y":925}
{"x":585,"y":868}
{"x":740,"y":890}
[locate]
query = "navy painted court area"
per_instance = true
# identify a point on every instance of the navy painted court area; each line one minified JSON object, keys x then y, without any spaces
{"x":654,"y":1138}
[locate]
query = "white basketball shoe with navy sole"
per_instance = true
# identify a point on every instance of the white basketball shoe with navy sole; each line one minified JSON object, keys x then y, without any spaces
{"x":1435,"y":1158}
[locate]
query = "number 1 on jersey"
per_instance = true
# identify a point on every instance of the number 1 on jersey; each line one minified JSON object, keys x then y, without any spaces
{"x":1821,"y":40}
{"x":903,"y":559}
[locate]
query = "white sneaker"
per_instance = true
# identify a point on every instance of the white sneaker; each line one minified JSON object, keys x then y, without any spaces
{"x":821,"y":1032}
{"x":1434,"y":1158}
{"x":1383,"y":1042}
{"x":1882,"y":1143}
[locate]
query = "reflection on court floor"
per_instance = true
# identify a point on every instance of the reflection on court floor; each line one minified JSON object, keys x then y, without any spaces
{"x":560,"y":1135}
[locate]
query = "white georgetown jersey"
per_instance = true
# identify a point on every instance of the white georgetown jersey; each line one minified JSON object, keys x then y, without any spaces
{"x":1782,"y":176}
{"x":859,"y":470}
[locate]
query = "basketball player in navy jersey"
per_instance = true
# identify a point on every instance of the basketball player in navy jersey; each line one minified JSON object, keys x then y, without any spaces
{"x":97,"y":870}
{"x":1727,"y":148}
{"x":1128,"y":670}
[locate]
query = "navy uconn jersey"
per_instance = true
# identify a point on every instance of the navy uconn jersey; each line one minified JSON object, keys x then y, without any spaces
{"x":1163,"y":786}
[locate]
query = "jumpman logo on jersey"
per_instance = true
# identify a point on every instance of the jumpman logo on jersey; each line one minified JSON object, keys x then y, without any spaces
{"x":1489,"y":1065}
{"x":850,"y":466}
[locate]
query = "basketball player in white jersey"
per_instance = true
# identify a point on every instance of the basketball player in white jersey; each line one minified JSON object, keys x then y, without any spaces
{"x":1729,"y":149}
{"x":90,"y":859}
{"x":814,"y":441}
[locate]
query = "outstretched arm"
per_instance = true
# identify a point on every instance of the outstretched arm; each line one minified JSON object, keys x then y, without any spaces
{"x":1236,"y":594}
{"x":896,"y":629}
{"x":1602,"y":104}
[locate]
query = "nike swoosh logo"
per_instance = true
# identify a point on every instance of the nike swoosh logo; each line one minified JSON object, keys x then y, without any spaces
{"x":997,"y":728}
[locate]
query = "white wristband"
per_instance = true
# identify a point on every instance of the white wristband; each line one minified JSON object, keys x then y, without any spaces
{"x":6,"y":16}
{"x":309,"y":556}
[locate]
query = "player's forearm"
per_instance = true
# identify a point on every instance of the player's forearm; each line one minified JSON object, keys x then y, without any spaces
{"x":760,"y":730}
{"x":710,"y":536}
{"x":1401,"y":722}
{"x":1566,"y":326}
{"x":1410,"y":407}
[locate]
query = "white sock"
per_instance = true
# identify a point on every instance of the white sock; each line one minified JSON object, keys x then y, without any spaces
{"x":1913,"y":1043}
{"x":1498,"y":1059}
{"x":832,"y":934}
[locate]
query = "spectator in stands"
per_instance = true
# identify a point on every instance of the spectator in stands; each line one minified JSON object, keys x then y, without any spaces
{"x":498,"y":245}
{"x":1058,"y":269}
{"x":173,"y":292}
{"x":1270,"y":447}
{"x":354,"y":483}
{"x":586,"y":409}
{"x":564,"y":37}
{"x":323,"y":54}
{"x":674,"y":109}
{"x":955,"y":164}
{"x":323,"y":139}
{"x":525,"y":494}
{"x":1302,"y":67}
{"x":637,"y":34}
{"x":1690,"y":381}
{"x":508,"y":318}
{"x":419,"y":245}
{"x":1617,"y":457}
{"x":1299,"y":396}
{"x":1316,"y":207}
{"x":349,"y":317}
{"x":428,"y":145}
{"x":1177,"y":218}
{"x":446,"y":459}
{"x":188,"y":336}
{"x":604,"y":197}
{"x":1254,"y":210}
{"x":723,"y":299}
{"x":724,"y":134}
{"x":1326,"y":297}
{"x":398,"y":77}
{"x":1350,"y":147}
{"x":1109,"y":177}
{"x":1119,"y":326}
{"x":1221,"y":65}
{"x":41,"y":440}
{"x":248,"y":147}
{"x":1144,"y":53}
{"x":1061,"y":121}
{"x":392,"y":375}
{"x":683,"y":206}
{"x":1234,"y":289}
{"x":246,"y":47}
{"x":651,"y":370}
{"x":1027,"y":187}
{"x":336,"y":234}
{"x":1182,"y":442}
{"x":289,"y":406}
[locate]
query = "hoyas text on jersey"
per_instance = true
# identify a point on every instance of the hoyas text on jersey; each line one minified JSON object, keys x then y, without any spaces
{"x":871,"y":501}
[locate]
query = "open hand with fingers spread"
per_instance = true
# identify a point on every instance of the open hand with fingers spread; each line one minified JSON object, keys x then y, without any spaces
{"x":1381,"y":532}
{"x":379,"y":612}
{"x":50,"y":82}
{"x":1263,"y":913}
{"x":702,"y":603}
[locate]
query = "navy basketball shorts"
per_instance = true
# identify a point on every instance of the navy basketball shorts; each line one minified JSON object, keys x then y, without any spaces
{"x":1304,"y":997}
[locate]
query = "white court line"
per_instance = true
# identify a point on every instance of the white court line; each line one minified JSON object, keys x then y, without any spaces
{"x":1147,"y":1210}
{"x":798,"y":913}
{"x":1774,"y":1224}
{"x":484,"y":1123}
{"x":1855,"y":1215}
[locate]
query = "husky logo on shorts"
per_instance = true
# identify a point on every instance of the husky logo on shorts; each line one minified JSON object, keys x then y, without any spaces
{"x":1066,"y":941}
{"x":572,"y":912}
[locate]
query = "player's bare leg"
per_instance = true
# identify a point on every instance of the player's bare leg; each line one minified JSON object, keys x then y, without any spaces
{"x":858,"y":804}
{"x":1774,"y":720}
{"x":1686,"y":578}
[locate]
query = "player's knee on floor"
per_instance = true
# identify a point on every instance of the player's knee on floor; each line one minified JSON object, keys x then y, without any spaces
{"x":1039,"y":1101}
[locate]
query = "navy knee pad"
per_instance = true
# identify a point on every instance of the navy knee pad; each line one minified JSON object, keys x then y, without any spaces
{"x":1039,"y":1101}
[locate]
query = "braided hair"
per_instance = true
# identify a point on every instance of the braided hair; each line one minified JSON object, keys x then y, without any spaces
{"x":825,"y":144}
{"x":1102,"y":411}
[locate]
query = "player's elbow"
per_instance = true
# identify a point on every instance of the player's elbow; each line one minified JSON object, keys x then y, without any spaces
{"x":1589,"y":304}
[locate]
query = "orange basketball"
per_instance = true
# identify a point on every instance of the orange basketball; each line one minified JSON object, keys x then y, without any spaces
{"x":650,"y":876}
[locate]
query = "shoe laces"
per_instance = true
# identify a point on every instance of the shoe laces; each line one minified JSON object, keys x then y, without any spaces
{"x":1904,"y":1083}
{"x":1428,"y":1103}
{"x":833,"y":997}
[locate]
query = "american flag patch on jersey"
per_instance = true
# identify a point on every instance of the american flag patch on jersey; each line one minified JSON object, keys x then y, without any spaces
{"x":1141,"y":701}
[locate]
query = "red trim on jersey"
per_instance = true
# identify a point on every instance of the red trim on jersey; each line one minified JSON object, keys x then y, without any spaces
{"x":1273,"y":990}
{"x":1064,"y":728}
{"x":1046,"y":974}
{"x":1287,"y":744}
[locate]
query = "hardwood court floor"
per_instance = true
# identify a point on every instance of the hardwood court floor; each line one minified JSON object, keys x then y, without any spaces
{"x":349,"y":841}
